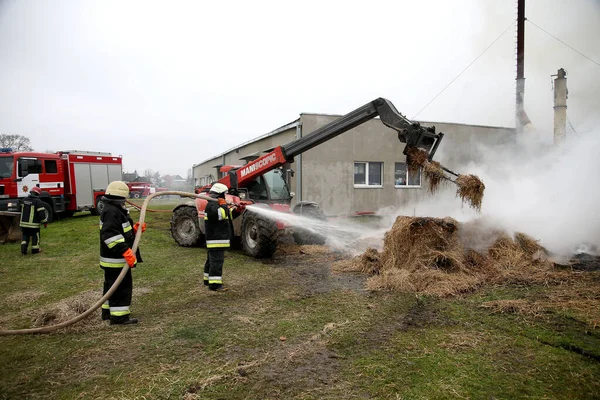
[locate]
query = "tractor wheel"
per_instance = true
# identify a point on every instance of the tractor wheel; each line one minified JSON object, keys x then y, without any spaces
{"x":307,"y":236}
{"x":259,"y":235}
{"x":49,"y":213}
{"x":185,"y":228}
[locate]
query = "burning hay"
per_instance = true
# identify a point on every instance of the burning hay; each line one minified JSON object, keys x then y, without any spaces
{"x":433,"y":256}
{"x":470,"y":189}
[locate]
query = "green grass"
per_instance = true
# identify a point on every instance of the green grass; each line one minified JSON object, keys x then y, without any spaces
{"x":280,"y":332}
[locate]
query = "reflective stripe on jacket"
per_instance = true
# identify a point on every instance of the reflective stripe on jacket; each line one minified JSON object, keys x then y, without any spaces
{"x":218,"y":225}
{"x":116,"y":235}
{"x":33,"y":213}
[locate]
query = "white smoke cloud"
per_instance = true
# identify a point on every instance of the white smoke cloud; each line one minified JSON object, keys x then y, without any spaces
{"x":549,"y":193}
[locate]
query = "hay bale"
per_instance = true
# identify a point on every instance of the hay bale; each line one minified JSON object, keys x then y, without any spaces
{"x":470,"y":190}
{"x":441,"y":257}
{"x":418,"y":242}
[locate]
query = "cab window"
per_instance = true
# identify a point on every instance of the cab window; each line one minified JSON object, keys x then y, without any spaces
{"x":50,"y":166}
{"x":29,"y":166}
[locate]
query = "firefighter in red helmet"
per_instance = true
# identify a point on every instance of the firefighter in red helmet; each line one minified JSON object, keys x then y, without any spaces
{"x":218,"y":226}
{"x":117,"y":234}
{"x":33,"y":216}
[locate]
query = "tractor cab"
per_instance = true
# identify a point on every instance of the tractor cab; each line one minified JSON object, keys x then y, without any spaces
{"x":270,"y":187}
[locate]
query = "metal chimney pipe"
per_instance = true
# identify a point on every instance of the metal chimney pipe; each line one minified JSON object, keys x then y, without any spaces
{"x":560,"y":107}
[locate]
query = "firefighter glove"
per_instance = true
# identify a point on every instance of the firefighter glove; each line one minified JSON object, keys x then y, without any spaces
{"x":45,"y":225}
{"x":130,"y":258}
{"x":136,"y":226}
{"x":240,"y":207}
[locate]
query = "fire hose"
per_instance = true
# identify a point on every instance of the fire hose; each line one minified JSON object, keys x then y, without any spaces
{"x":108,"y":294}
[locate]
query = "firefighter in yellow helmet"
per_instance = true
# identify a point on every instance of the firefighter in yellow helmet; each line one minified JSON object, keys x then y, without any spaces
{"x":117,"y":234}
{"x":218,"y":228}
{"x":33,"y":216}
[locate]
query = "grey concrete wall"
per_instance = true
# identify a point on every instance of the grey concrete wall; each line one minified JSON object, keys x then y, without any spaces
{"x":328,"y":169}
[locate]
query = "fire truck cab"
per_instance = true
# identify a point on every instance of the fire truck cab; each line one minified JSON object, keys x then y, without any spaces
{"x":71,"y":180}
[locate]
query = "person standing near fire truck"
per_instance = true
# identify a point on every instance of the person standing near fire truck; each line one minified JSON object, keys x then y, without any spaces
{"x":218,"y":224}
{"x":33,"y":215}
{"x":117,"y":234}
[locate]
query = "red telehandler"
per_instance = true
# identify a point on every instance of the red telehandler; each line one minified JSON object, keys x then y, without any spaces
{"x":261,"y":183}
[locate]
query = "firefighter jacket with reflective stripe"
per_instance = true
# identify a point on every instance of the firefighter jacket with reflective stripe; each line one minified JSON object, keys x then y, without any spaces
{"x":116,"y":234}
{"x":33,"y":213}
{"x":218,"y":224}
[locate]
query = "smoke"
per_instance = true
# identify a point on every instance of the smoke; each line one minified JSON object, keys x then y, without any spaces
{"x":549,"y":193}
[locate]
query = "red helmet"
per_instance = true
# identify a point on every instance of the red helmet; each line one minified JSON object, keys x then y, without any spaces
{"x":36,"y":189}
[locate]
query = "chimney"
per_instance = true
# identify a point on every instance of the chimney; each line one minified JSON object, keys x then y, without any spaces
{"x":560,"y":107}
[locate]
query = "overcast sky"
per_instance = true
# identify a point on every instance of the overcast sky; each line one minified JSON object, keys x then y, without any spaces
{"x":168,"y":84}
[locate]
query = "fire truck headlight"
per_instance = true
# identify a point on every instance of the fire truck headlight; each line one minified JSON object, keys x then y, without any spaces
{"x":242,"y":195}
{"x":12,"y":205}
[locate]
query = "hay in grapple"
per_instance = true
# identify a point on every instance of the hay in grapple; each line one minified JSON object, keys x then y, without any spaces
{"x":470,"y":189}
{"x":415,"y":159}
{"x":432,"y":170}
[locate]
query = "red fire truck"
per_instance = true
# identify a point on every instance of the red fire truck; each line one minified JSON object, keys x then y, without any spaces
{"x":70,"y":180}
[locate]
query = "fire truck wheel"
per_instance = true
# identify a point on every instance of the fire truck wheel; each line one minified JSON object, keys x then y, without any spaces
{"x":136,"y":195}
{"x":49,"y":213}
{"x":259,"y":235}
{"x":307,"y":236}
{"x":185,"y":228}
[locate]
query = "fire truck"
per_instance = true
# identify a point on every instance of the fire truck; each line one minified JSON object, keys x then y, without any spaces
{"x":139,"y":190}
{"x":261,"y":183}
{"x":71,"y":181}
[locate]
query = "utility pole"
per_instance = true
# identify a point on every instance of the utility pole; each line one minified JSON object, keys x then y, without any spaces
{"x":560,"y":107}
{"x":520,"y":94}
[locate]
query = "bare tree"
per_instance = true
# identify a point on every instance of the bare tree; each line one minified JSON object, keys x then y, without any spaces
{"x":16,"y":142}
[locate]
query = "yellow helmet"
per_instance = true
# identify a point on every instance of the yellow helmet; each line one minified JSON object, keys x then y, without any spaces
{"x":118,"y":188}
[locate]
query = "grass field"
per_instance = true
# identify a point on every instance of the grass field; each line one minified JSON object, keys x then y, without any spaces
{"x":288,"y":328}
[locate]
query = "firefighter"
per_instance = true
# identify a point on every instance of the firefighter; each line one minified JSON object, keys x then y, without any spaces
{"x":218,"y":224}
{"x":117,"y":234}
{"x":33,"y":215}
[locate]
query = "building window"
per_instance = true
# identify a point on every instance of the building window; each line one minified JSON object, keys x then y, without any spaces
{"x":368,"y":173}
{"x":50,"y":166}
{"x":405,"y":178}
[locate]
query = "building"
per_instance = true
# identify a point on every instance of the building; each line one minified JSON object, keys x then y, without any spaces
{"x":360,"y":170}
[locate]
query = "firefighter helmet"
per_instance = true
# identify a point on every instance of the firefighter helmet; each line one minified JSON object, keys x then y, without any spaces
{"x":117,"y":188}
{"x":36,"y":189}
{"x":219,"y":188}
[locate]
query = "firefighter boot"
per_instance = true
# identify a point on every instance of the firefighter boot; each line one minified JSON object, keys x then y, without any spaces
{"x":105,"y":314}
{"x":24,"y":249}
{"x":124,"y":320}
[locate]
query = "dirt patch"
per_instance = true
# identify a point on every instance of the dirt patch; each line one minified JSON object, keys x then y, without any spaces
{"x":313,"y":266}
{"x":306,"y":367}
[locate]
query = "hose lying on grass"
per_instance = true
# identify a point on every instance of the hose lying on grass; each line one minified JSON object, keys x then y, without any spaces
{"x":95,"y":306}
